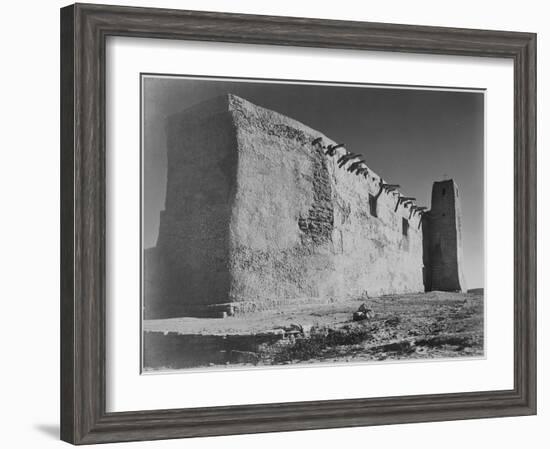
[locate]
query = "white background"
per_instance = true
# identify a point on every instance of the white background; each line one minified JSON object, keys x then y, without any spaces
{"x":30,"y":224}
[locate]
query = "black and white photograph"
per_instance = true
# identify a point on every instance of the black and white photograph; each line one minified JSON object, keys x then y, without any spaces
{"x":301,"y":222}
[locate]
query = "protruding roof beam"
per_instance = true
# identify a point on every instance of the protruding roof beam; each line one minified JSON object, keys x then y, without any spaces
{"x":343,"y":160}
{"x":331,"y":149}
{"x":355,"y":165}
{"x":390,"y":186}
{"x":419,"y":208}
{"x":403,"y":199}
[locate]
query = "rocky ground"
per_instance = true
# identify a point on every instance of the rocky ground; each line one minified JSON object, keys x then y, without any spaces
{"x":415,"y":326}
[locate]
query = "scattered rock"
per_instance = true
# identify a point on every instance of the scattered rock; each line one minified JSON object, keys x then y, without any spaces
{"x":398,"y":346}
{"x":363,"y":313}
{"x":393,"y":321}
{"x":364,"y":308}
{"x":294,"y":328}
{"x":243,"y":357}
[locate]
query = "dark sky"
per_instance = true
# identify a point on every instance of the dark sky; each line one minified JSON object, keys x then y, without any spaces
{"x":409,"y":137}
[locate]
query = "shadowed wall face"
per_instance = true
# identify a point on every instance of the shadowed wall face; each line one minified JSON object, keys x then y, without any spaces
{"x":189,"y":266}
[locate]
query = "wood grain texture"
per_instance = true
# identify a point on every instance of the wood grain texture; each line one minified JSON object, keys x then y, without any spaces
{"x":83,"y":32}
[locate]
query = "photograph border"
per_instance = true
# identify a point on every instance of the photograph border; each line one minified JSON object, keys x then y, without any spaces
{"x":84,"y":29}
{"x":290,"y":82}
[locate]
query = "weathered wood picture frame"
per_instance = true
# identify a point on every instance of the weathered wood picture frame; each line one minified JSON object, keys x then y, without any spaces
{"x":84,"y":29}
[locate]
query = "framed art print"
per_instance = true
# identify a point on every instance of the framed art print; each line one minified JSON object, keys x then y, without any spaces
{"x":274,"y":223}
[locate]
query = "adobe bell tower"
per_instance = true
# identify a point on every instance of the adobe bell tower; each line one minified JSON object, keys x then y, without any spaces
{"x":444,"y":239}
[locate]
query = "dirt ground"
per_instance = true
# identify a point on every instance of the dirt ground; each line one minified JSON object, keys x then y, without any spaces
{"x":414,"y":326}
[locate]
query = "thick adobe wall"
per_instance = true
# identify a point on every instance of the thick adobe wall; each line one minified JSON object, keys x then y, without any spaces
{"x":259,"y":215}
{"x":304,"y":229}
{"x":282,"y":220}
{"x":444,"y":238}
{"x":378,"y":237}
